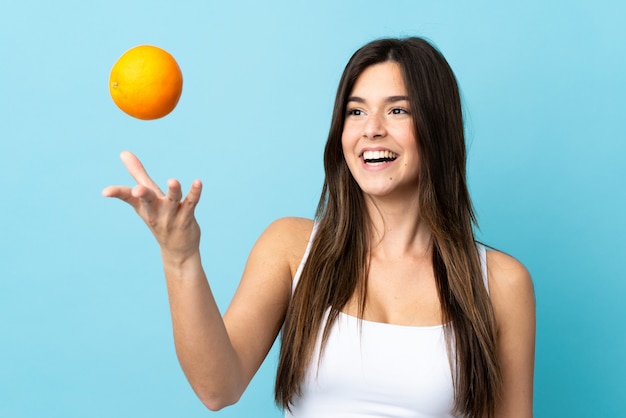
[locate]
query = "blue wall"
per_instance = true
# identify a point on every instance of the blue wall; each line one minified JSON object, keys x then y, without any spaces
{"x":84,"y":322}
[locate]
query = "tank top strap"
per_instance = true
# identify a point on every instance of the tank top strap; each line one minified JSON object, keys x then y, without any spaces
{"x":296,"y":277}
{"x":482,"y":255}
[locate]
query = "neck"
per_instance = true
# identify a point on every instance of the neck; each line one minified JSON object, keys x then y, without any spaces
{"x":398,"y":229}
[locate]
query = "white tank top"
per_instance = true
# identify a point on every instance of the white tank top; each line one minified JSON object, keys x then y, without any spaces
{"x":378,"y":370}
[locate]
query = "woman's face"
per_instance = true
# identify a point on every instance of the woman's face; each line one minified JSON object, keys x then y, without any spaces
{"x":378,"y":139}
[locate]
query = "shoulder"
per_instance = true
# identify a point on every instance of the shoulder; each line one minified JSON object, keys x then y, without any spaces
{"x":513,"y":300}
{"x":291,"y":226}
{"x":289,"y":232}
{"x":510,"y":287}
{"x":288,"y":238}
{"x":506,"y":272}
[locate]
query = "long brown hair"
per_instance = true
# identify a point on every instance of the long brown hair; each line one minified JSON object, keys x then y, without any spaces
{"x":337,"y":265}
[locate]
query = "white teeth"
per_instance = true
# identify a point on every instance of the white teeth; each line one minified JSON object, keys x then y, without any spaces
{"x":377,"y":155}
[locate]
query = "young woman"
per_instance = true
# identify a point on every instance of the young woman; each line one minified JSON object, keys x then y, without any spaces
{"x":387,"y":305}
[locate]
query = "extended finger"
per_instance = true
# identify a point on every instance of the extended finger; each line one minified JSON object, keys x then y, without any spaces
{"x":174,"y":191}
{"x":145,"y":194}
{"x":137,"y":170}
{"x":147,"y":207}
{"x":120,"y":192}
{"x":193,"y":197}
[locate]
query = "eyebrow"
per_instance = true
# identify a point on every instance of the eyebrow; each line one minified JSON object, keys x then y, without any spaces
{"x":390,"y":99}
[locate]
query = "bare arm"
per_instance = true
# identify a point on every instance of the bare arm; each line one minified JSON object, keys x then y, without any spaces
{"x":219,"y":356}
{"x":513,"y":298}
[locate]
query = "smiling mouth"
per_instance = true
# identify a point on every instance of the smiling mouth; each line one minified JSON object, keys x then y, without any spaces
{"x":378,"y":157}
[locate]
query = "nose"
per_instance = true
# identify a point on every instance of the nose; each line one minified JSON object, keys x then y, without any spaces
{"x":374,"y":127}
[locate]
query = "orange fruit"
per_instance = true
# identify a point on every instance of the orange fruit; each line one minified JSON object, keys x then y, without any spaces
{"x":146,"y":82}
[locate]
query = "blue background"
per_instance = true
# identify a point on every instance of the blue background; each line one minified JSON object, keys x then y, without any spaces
{"x":84,"y":321}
